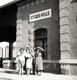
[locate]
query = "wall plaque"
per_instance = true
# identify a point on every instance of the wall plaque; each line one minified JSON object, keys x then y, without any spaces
{"x":40,"y":15}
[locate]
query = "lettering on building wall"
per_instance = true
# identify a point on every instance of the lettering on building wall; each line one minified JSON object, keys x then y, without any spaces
{"x":40,"y":15}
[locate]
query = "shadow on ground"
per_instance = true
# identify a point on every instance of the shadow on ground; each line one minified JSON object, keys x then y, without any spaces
{"x":9,"y":72}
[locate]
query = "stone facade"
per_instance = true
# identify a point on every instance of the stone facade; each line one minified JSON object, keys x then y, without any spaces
{"x":61,"y":39}
{"x":64,"y":34}
{"x":51,"y":24}
{"x":73,"y":35}
{"x":68,"y":39}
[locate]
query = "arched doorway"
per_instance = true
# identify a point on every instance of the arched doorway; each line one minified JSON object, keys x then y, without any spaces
{"x":40,"y":39}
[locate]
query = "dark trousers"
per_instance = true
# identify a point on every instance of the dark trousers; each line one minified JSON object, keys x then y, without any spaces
{"x":33,"y":66}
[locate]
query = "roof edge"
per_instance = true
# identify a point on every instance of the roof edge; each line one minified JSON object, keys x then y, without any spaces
{"x":7,"y":4}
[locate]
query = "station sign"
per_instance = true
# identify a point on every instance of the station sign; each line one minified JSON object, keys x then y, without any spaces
{"x":40,"y":15}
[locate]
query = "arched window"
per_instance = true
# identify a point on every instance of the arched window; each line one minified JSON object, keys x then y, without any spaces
{"x":40,"y":39}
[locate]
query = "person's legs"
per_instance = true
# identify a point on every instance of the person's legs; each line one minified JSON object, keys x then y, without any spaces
{"x":21,"y":70}
{"x":36,"y":72}
{"x":39,"y":72}
{"x":34,"y":68}
{"x":25,"y":66}
{"x":28,"y":71}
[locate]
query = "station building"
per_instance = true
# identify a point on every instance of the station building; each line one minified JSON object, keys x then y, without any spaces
{"x":50,"y":24}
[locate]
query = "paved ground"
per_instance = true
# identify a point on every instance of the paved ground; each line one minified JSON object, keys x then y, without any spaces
{"x":44,"y":76}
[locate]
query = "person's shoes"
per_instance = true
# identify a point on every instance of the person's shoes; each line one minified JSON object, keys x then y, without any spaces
{"x":39,"y":73}
{"x":27,"y":74}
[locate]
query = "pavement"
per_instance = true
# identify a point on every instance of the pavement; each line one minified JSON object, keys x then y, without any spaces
{"x":6,"y":74}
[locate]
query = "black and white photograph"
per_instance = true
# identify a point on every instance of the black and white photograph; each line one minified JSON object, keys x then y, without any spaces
{"x":38,"y":39}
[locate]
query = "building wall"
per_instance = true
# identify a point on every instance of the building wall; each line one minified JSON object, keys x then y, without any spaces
{"x":51,"y":24}
{"x":73,"y":35}
{"x":67,"y":18}
{"x":68,"y":26}
{"x":64,"y":35}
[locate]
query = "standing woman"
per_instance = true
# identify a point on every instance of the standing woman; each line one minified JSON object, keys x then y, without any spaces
{"x":38,"y":62}
{"x":20,"y":61}
{"x":28,"y":61}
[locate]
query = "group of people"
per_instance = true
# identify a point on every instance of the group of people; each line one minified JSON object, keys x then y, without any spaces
{"x":29,"y":61}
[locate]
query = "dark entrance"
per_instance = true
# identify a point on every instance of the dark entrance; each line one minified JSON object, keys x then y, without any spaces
{"x":8,"y":26}
{"x":40,"y":36}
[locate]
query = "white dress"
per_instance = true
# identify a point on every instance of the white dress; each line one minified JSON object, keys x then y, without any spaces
{"x":29,"y":61}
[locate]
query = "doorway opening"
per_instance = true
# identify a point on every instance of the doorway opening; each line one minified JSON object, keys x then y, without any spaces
{"x":40,"y":36}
